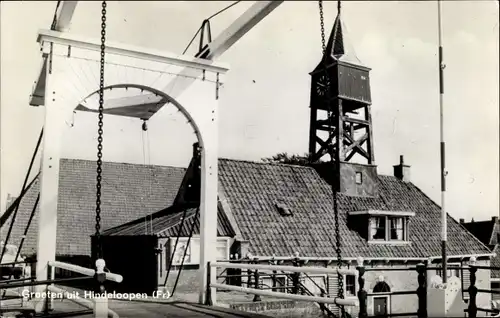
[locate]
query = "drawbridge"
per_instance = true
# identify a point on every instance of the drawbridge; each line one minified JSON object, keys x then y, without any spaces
{"x":98,"y":76}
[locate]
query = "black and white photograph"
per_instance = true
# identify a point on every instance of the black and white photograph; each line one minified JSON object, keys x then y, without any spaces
{"x":230,"y":159}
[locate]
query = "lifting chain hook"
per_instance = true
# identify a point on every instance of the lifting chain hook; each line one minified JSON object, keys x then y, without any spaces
{"x":100,"y":132}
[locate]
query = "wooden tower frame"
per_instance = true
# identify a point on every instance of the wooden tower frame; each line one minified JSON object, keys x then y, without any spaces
{"x":340,"y":87}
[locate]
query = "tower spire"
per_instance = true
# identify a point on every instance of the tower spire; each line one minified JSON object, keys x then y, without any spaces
{"x":338,"y":47}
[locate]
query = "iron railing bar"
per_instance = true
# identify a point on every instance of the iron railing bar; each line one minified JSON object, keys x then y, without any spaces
{"x":394,"y":293}
{"x":489,"y":291}
{"x":395,"y":315}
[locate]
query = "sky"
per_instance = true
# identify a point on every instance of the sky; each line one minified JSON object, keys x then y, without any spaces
{"x":264,"y":106}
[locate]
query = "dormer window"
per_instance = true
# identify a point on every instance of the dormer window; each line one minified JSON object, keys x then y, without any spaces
{"x":382,"y":226}
{"x":359,"y":178}
{"x":388,"y":228}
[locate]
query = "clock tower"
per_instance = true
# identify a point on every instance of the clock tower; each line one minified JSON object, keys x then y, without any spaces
{"x":341,"y":123}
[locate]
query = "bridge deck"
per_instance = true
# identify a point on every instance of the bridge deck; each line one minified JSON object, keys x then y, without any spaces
{"x":136,"y":309}
{"x":149,"y":307}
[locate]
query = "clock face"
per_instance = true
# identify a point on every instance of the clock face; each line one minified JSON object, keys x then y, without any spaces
{"x":322,"y":85}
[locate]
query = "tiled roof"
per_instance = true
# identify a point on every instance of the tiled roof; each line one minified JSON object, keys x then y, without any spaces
{"x":130,"y":191}
{"x":485,"y":231}
{"x":495,"y":262}
{"x":252,"y":190}
{"x":166,"y":223}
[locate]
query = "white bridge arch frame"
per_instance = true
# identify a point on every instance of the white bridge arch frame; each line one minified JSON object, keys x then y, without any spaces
{"x":196,"y":97}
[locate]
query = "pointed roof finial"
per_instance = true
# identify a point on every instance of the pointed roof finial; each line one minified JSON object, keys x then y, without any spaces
{"x":338,"y":47}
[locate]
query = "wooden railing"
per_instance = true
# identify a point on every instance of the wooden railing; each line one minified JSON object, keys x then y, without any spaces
{"x":473,"y":309}
{"x":297,"y":290}
{"x":99,"y":305}
{"x":296,"y":295}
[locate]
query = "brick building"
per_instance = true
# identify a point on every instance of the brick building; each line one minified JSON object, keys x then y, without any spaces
{"x":274,"y":209}
{"x":129,"y":192}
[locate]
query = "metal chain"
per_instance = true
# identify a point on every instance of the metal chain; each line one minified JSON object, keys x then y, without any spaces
{"x":100,"y":131}
{"x":340,"y":292}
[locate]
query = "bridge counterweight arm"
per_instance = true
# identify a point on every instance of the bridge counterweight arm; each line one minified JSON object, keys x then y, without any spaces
{"x":256,"y":13}
{"x":251,"y":17}
{"x":238,"y":29}
{"x":65,"y":15}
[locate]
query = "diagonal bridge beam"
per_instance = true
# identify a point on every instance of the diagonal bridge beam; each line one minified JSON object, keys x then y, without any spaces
{"x":62,"y":24}
{"x":187,"y":76}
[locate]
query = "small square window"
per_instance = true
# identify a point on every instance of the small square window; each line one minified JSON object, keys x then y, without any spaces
{"x":359,"y":178}
{"x":350,"y":285}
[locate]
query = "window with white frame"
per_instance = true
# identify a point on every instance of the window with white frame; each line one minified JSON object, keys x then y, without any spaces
{"x":182,"y":250}
{"x":350,"y":285}
{"x":397,"y":228}
{"x":359,"y":178}
{"x":388,"y":228}
{"x":192,"y":250}
{"x":378,"y":228}
{"x":222,"y":249}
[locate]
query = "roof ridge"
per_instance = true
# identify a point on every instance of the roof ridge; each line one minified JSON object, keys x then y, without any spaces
{"x":123,"y":163}
{"x":266,"y":163}
{"x":479,"y":222}
{"x":291,"y":165}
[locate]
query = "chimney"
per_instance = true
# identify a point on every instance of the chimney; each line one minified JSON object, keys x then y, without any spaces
{"x":495,"y":219}
{"x":402,"y":171}
{"x":462,"y":221}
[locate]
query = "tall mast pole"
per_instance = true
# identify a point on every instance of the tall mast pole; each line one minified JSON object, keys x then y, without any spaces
{"x":442,"y":152}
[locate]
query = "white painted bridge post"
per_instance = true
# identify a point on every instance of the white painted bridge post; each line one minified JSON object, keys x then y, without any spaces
{"x":209,"y":192}
{"x":56,"y":113}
